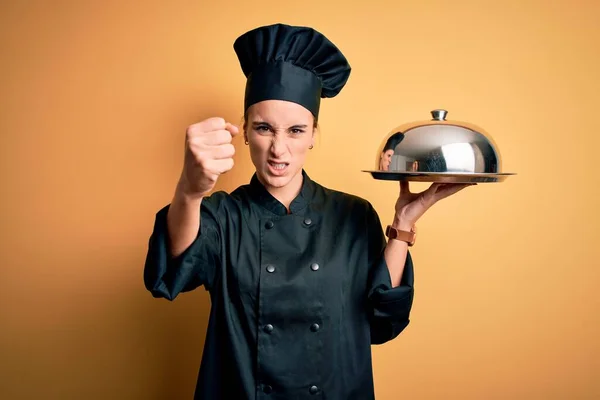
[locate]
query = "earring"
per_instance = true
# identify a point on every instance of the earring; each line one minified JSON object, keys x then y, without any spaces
{"x":246,"y":141}
{"x":310,"y":147}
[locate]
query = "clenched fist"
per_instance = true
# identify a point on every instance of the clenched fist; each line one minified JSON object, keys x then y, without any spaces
{"x":208,"y":154}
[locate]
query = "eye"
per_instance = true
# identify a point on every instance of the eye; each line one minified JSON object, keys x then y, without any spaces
{"x":262,"y":128}
{"x":297,"y":131}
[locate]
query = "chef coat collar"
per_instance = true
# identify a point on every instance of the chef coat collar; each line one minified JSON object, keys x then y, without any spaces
{"x":264,"y":198}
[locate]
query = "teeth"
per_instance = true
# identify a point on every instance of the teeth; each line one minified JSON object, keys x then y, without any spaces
{"x":278,"y":166}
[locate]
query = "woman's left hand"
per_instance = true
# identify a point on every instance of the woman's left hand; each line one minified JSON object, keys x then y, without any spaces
{"x":411,"y":206}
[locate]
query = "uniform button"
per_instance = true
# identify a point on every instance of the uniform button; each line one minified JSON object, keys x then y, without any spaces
{"x":315,"y":327}
{"x":269,"y":224}
{"x":268,"y":328}
{"x":314,"y":266}
{"x":267,"y":389}
{"x":307,"y":221}
{"x":270,"y":268}
{"x":313,"y":389}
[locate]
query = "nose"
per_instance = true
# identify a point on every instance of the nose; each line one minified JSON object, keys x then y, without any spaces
{"x":278,"y":146}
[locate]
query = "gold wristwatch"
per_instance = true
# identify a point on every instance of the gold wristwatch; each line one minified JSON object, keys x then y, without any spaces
{"x":408,"y":237}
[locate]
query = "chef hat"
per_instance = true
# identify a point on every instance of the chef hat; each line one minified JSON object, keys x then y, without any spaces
{"x":293,"y":63}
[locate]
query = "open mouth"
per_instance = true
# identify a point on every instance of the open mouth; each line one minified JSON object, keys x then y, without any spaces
{"x":277,"y":167}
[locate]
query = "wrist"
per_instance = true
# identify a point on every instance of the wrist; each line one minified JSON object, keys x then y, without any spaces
{"x":402,"y":224}
{"x":184,"y":197}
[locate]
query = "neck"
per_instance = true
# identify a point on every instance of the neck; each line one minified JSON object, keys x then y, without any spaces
{"x":286,"y":194}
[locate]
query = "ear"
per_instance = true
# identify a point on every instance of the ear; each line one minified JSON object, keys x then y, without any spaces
{"x":245,"y":128}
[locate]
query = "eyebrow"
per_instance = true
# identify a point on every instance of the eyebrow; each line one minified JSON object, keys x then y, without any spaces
{"x":259,"y":123}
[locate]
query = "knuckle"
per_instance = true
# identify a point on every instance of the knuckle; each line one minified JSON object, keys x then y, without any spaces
{"x":225,"y":136}
{"x":193,"y":142}
{"x":217,"y":120}
{"x":191,"y":130}
{"x":213,"y":123}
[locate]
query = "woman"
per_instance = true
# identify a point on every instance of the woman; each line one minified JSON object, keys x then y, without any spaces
{"x":385,"y":159}
{"x":301,"y":278}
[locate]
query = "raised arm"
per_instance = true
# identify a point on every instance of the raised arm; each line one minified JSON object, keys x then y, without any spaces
{"x":183,"y":250}
{"x":208,"y":154}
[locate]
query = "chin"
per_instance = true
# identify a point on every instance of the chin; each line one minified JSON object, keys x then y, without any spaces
{"x":278,"y":181}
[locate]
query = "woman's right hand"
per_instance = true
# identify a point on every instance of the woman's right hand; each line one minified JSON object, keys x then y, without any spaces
{"x":208,"y":154}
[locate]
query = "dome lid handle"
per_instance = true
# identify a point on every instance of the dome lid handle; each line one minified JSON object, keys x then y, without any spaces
{"x":439,"y":115}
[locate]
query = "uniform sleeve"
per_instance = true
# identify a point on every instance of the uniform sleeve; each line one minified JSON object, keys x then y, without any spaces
{"x":390,"y":307}
{"x":166,"y":276}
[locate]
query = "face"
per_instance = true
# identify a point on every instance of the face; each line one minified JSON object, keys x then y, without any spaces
{"x":386,"y":159}
{"x":279,"y":135}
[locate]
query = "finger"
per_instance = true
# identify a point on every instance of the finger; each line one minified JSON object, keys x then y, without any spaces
{"x":217,"y":138}
{"x":211,"y":124}
{"x":404,"y":187}
{"x":220,"y":166}
{"x":432,"y":189}
{"x":201,"y":142}
{"x":222,"y":151}
{"x":233,"y":129}
{"x":451,"y":189}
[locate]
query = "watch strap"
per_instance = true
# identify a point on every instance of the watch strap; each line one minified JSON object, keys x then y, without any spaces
{"x":405,"y":236}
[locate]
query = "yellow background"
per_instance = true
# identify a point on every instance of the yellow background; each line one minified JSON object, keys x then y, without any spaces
{"x":95,"y":97}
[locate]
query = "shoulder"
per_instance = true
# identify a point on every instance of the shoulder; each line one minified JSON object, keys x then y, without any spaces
{"x":349,"y":210}
{"x":344,"y":200}
{"x":221,"y":201}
